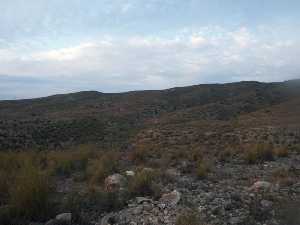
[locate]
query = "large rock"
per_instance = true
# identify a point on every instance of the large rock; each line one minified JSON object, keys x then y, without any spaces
{"x":115,"y":182}
{"x":171,"y":198}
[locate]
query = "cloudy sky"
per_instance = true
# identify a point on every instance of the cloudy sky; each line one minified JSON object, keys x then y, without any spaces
{"x":60,"y":46}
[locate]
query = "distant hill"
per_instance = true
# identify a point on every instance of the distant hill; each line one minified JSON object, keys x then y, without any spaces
{"x":117,"y":120}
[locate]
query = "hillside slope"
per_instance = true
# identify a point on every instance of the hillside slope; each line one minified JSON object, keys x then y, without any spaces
{"x":111,"y":120}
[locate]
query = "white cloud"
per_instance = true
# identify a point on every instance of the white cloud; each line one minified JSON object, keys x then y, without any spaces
{"x":118,"y":64}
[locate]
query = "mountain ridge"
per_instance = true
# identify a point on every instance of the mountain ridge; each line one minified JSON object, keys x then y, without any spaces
{"x":113,"y":119}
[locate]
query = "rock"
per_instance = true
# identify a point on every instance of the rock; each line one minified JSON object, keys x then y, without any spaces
{"x":266,"y":205}
{"x":53,"y":222}
{"x":235,"y":221}
{"x":141,"y":200}
{"x":171,"y":199}
{"x":115,"y":182}
{"x":138,"y":210}
{"x":130,"y":173}
{"x":261,"y":186}
{"x":108,"y":219}
{"x":64,"y":217}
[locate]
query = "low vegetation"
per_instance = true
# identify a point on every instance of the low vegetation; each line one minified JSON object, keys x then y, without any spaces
{"x":190,"y":217}
{"x":281,"y":152}
{"x":29,"y":193}
{"x":259,"y":153}
{"x":144,"y":183}
{"x":202,"y":169}
{"x":99,"y":168}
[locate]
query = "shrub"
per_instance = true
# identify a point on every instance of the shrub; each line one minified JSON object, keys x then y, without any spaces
{"x":259,"y":153}
{"x":107,"y":201}
{"x":223,"y":156}
{"x":5,"y":216}
{"x":196,"y":154}
{"x":283,"y":176}
{"x":139,"y":154}
{"x":5,"y":179}
{"x":29,"y":195}
{"x":144,"y":183}
{"x":99,"y":169}
{"x":202,"y":170}
{"x":188,"y":218}
{"x":65,"y":163}
{"x":282,"y":152}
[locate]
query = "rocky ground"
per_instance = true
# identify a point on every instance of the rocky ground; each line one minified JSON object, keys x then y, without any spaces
{"x":233,"y":193}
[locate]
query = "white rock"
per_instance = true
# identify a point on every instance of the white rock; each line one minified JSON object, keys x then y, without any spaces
{"x":130,"y":173}
{"x":64,"y":217}
{"x":171,"y":198}
{"x":261,"y":186}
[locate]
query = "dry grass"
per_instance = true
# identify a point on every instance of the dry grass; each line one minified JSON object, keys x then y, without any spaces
{"x":144,"y":183}
{"x":98,"y":169}
{"x":259,"y":153}
{"x":26,"y":180}
{"x":29,"y":194}
{"x":67,"y":162}
{"x":282,"y":152}
{"x":283,"y":177}
{"x":203,"y":168}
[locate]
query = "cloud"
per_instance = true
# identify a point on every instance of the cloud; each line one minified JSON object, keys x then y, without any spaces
{"x":115,"y":64}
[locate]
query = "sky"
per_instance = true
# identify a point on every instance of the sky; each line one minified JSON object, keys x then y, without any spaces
{"x":59,"y":46}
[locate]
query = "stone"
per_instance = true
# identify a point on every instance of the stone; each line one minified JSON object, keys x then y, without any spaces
{"x":235,"y":221}
{"x":171,"y":198}
{"x":115,"y":182}
{"x":138,"y":210}
{"x":53,"y":222}
{"x":108,"y":219}
{"x":261,"y":186}
{"x":266,"y":205}
{"x":130,"y":173}
{"x":64,"y":217}
{"x":141,"y":200}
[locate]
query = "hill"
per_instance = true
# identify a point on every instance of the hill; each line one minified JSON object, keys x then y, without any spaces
{"x":110,"y":120}
{"x":207,"y":154}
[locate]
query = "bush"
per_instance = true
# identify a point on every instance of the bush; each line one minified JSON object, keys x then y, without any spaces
{"x":5,"y":216}
{"x":188,"y":218}
{"x":65,"y":163}
{"x":144,"y":183}
{"x":259,"y":153}
{"x":99,"y":169}
{"x":29,"y":195}
{"x":139,"y":154}
{"x":282,"y":152}
{"x":283,"y":176}
{"x":225,"y":155}
{"x":107,"y":201}
{"x":5,"y":179}
{"x":202,"y":170}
